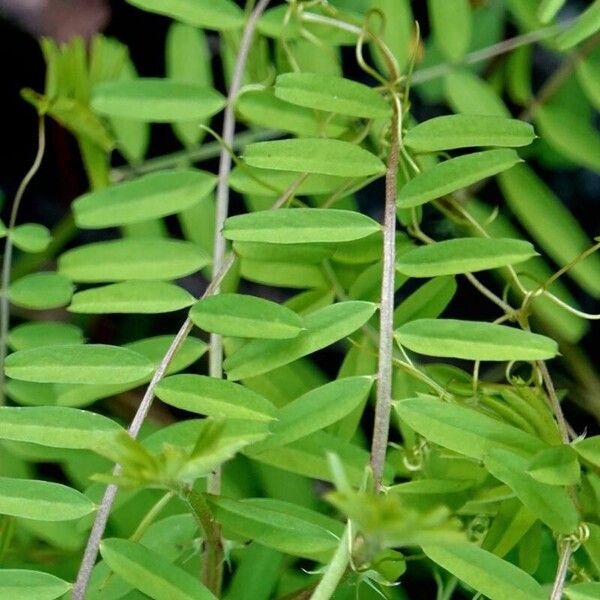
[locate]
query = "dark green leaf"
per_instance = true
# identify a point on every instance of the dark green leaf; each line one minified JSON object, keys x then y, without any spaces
{"x":555,"y":466}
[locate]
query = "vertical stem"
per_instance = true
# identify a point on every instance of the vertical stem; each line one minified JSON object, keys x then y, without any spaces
{"x":335,"y":569}
{"x":8,"y":248}
{"x":561,"y":573}
{"x":386,"y":311}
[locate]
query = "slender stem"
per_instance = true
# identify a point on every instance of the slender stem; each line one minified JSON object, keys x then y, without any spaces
{"x":91,"y":550}
{"x":555,"y":402}
{"x":335,"y":569}
{"x":212,"y":565}
{"x":196,"y":154}
{"x":498,"y":49}
{"x":561,"y":573}
{"x":386,"y":311}
{"x":8,"y":249}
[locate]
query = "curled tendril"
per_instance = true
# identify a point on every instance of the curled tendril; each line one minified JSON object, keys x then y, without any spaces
{"x":534,"y":378}
{"x":415,"y":463}
{"x":580,"y":536}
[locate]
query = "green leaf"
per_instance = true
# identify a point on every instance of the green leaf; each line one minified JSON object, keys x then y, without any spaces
{"x":550,"y":224}
{"x":314,"y":155}
{"x":550,"y":503}
{"x":31,"y":237}
{"x":81,"y":363}
{"x":42,"y":500}
{"x":44,"y":333}
{"x":464,"y":131}
{"x":221,"y":15}
{"x":323,"y":328}
{"x":570,"y":133}
{"x":41,"y":291}
{"x":300,"y":225}
{"x":188,"y":58}
{"x":583,"y":591}
{"x":464,"y":429}
{"x":548,"y":9}
{"x":316,"y":410}
{"x":214,"y":398}
{"x":451,"y":25}
{"x":260,"y":520}
{"x":487,"y":573}
{"x":586,"y":25}
{"x":22,"y":584}
{"x":474,"y":340}
{"x":398,"y":32}
{"x":56,"y":427}
{"x":145,"y":259}
{"x":135,"y":297}
{"x":262,"y":107}
{"x":427,"y":302}
{"x":333,"y":94}
{"x":150,"y":573}
{"x":555,"y":466}
{"x":243,"y":180}
{"x":148,"y":197}
{"x":283,"y":274}
{"x":468,"y":93}
{"x":241,"y":315}
{"x":589,"y":448}
{"x":313,"y":254}
{"x":156,"y":100}
{"x":455,"y":174}
{"x":463,"y":255}
{"x":588,"y":75}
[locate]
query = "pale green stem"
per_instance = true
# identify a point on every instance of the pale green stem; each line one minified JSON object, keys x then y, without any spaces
{"x":335,"y":569}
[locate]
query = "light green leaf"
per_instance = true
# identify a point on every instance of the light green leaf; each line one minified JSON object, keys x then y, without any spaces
{"x":463,"y":429}
{"x":279,"y":181}
{"x":214,"y":398}
{"x":588,"y":75}
{"x":427,"y":302}
{"x":188,"y":58}
{"x":31,"y":237}
{"x":22,"y":584}
{"x":261,"y":521}
{"x":331,"y":93}
{"x":145,"y":259}
{"x":41,"y":291}
{"x":150,"y":573}
{"x":42,"y":500}
{"x":555,"y":466}
{"x":44,"y":333}
{"x":316,"y":410}
{"x":148,"y":197}
{"x":283,"y":274}
{"x":463,"y":255}
{"x":314,"y":155}
{"x":548,"y":9}
{"x":583,"y":591}
{"x":474,"y":340}
{"x":262,"y":107}
{"x":468,"y":93}
{"x":135,"y":297}
{"x":589,"y":448}
{"x":221,"y":15}
{"x":323,"y":328}
{"x":241,"y":315}
{"x":570,"y":133}
{"x":451,"y":26}
{"x":81,"y":363}
{"x":156,"y":100}
{"x":550,"y":503}
{"x":56,"y":426}
{"x":455,"y":174}
{"x":550,"y":224}
{"x":313,"y":254}
{"x":463,"y":131}
{"x":585,"y":26}
{"x":487,"y":573}
{"x":300,"y":225}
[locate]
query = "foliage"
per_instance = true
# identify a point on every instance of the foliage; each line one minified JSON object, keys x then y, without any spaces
{"x":257,"y":476}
